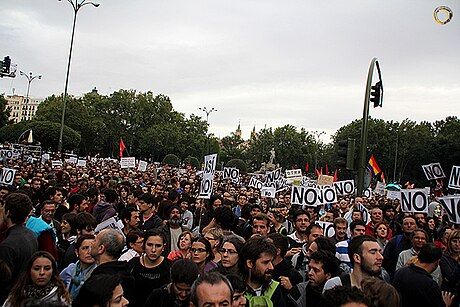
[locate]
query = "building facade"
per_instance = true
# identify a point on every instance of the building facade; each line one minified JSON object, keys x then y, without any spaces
{"x":21,"y":109}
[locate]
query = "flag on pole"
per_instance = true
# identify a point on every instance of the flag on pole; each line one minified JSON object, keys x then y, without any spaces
{"x":336,"y":176}
{"x":373,"y":166}
{"x":327,"y":169}
{"x":30,"y":140}
{"x":122,"y":147}
{"x":383,"y":178}
{"x":306,"y":167}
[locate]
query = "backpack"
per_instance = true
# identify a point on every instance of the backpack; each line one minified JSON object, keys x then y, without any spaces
{"x":265,"y":299}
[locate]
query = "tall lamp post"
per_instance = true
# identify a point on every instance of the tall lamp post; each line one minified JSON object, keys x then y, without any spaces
{"x":208,"y":111}
{"x":30,"y":77}
{"x":76,"y":7}
{"x":318,"y":135}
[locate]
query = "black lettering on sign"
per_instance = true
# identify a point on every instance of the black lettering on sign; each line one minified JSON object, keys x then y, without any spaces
{"x":7,"y":176}
{"x":433,"y":171}
{"x":414,"y":200}
{"x":454,"y":180}
{"x":451,"y":204}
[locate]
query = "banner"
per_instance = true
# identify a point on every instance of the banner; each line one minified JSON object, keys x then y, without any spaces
{"x":344,"y":187}
{"x":7,"y":176}
{"x":128,"y":162}
{"x":268,"y":192}
{"x":273,"y":176}
{"x":328,"y":228}
{"x":415,"y":200}
{"x":55,"y":163}
{"x":81,"y":163}
{"x":325,"y":180}
{"x":208,"y":176}
{"x":433,"y":171}
{"x":306,"y":196}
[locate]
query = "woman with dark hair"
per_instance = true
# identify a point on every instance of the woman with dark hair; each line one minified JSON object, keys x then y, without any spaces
{"x":202,"y":255}
{"x":68,"y":236}
{"x":123,"y":191}
{"x":432,"y":229}
{"x":442,"y":237}
{"x":450,"y":266}
{"x":40,"y":281}
{"x":239,"y":289}
{"x":229,"y":252}
{"x":101,"y":291}
{"x":381,"y":234}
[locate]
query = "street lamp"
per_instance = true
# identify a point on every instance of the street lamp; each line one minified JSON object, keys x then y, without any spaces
{"x":208,"y":111}
{"x":30,"y":77}
{"x":76,"y":7}
{"x":318,"y":135}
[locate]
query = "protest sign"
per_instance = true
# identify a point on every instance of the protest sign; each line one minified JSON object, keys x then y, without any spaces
{"x":81,"y":163}
{"x":307,"y":196}
{"x":273,"y":176}
{"x":325,"y":180}
{"x":393,"y":194}
{"x":255,"y":183}
{"x":379,"y":188}
{"x":294,"y":176}
{"x":128,"y":162}
{"x":9,"y":153}
{"x":142,"y":167}
{"x":344,"y":187}
{"x":454,"y":180}
{"x":56,"y":163}
{"x":231,"y":173}
{"x":367,"y":192}
{"x":451,"y":205}
{"x":328,"y":228}
{"x":415,"y":200}
{"x":433,"y":171}
{"x":7,"y":176}
{"x":208,"y":176}
{"x":268,"y":192}
{"x":71,"y":160}
{"x":110,"y":223}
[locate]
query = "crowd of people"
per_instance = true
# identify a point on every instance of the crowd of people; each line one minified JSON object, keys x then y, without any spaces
{"x":102,"y":235}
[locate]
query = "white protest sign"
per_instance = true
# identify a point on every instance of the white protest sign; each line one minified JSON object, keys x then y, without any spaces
{"x":71,"y":160}
{"x":255,"y":183}
{"x":128,"y":162}
{"x":328,"y":228}
{"x":454,"y":180}
{"x":344,"y":187}
{"x":379,"y":188}
{"x":231,"y":173}
{"x":268,"y":192}
{"x":55,"y":163}
{"x":110,"y":223}
{"x":415,"y":200}
{"x":309,"y":183}
{"x":433,"y":171}
{"x":273,"y":176}
{"x":367,"y":192}
{"x":306,"y":196}
{"x":81,"y":163}
{"x":7,"y":176}
{"x":364,"y":212}
{"x":208,"y":176}
{"x":451,"y":205}
{"x":9,"y":153}
{"x":393,"y":194}
{"x":294,"y":173}
{"x":142,"y":167}
{"x":325,"y":180}
{"x":278,"y":185}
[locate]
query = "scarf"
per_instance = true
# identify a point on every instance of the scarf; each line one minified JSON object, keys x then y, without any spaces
{"x":32,"y":291}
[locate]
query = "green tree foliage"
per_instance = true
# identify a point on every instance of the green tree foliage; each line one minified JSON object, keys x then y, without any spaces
{"x":231,"y":147}
{"x":46,"y":132}
{"x":171,"y":159}
{"x":4,"y":111}
{"x":239,"y":164}
{"x":193,"y":161}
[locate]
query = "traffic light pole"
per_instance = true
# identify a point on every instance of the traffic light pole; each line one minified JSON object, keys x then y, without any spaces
{"x":364,"y":126}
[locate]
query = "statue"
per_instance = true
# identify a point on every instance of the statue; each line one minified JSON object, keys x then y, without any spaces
{"x":272,"y":156}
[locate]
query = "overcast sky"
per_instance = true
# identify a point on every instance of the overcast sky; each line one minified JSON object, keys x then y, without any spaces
{"x":260,"y":62}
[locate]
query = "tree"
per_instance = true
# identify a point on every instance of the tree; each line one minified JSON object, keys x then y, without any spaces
{"x":232,"y":147}
{"x":4,"y":111}
{"x":171,"y":159}
{"x":239,"y":164}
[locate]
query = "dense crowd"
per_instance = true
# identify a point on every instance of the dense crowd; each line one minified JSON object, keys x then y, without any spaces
{"x":101,"y":235}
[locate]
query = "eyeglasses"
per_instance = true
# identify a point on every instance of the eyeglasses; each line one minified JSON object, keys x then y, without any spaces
{"x":197,"y":250}
{"x":139,"y":242}
{"x":229,"y":251}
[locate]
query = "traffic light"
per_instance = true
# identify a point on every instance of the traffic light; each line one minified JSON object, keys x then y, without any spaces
{"x":376,"y":94}
{"x":346,"y":153}
{"x":6,"y":65}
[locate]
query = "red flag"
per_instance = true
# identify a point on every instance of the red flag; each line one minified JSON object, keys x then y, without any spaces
{"x":122,"y":147}
{"x":336,"y":176}
{"x":317,"y":173}
{"x":306,"y":167}
{"x":327,"y":169}
{"x":292,"y":166}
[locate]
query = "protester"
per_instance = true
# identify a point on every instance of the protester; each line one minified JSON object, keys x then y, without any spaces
{"x":212,"y":289}
{"x":75,"y":275}
{"x":40,"y":282}
{"x":177,"y":293}
{"x":102,"y":290}
{"x":381,"y":234}
{"x":151,"y":269}
{"x":380,"y":293}
{"x":215,"y":236}
{"x":135,"y":245}
{"x":184,"y":244}
{"x":230,"y":251}
{"x":203,"y":255}
{"x":450,"y":266}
